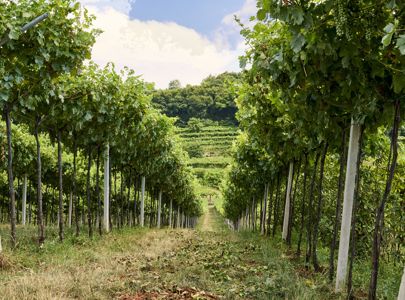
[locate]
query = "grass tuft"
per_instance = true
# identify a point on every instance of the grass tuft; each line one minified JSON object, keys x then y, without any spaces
{"x":5,"y":262}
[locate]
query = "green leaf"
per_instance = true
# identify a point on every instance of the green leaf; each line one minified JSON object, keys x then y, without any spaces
{"x":297,"y":43}
{"x":27,"y":14}
{"x":392,"y":4}
{"x":39,"y":60}
{"x":88,"y":116}
{"x":242,"y":62}
{"x":401,"y":44}
{"x":3,"y":96}
{"x":13,"y":34}
{"x":261,"y":15}
{"x":389,"y":28}
{"x":298,"y":16}
{"x":345,"y":62}
{"x":399,"y":82}
{"x":386,"y":40}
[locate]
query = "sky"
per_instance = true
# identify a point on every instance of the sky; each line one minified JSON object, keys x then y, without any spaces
{"x":163,"y":40}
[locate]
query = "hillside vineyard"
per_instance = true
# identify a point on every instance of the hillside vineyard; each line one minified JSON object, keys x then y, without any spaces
{"x":283,"y":180}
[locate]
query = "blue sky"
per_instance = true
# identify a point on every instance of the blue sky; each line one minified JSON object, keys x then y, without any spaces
{"x":204,"y":16}
{"x":163,"y":40}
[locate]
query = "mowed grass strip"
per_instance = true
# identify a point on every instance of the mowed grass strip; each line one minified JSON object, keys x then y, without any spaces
{"x":208,"y":128}
{"x":229,"y":139}
{"x":202,"y":171}
{"x":209,"y":134}
{"x":213,"y":160}
{"x":239,"y":266}
{"x":209,"y":165}
{"x":216,"y":150}
{"x":206,"y":142}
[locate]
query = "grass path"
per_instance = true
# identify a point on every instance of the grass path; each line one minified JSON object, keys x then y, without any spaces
{"x":210,"y":262}
{"x":209,"y":221}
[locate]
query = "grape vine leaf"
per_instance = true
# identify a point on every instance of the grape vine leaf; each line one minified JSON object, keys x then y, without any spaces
{"x":401,"y":44}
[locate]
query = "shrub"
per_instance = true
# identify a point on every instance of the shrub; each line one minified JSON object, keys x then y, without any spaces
{"x":195,"y":150}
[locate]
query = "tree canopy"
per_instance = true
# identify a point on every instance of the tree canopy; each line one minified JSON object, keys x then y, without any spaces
{"x":213,"y":99}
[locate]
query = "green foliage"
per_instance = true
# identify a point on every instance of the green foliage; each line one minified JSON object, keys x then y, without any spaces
{"x":213,"y":179}
{"x":195,"y":151}
{"x":195,"y":125}
{"x":50,"y":88}
{"x":213,"y":99}
{"x":174,"y":84}
{"x":31,"y":60}
{"x":305,"y":85}
{"x":314,"y":67}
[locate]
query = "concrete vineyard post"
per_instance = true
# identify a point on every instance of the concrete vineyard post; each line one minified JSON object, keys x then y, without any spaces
{"x":349,"y":190}
{"x":106,"y":221}
{"x":70,"y":209}
{"x":288,"y":201}
{"x":262,"y":229}
{"x":24,"y":200}
{"x":143,"y":201}
{"x":159,"y":209}
{"x":178,"y":217}
{"x":401,"y":293}
{"x":170,"y":213}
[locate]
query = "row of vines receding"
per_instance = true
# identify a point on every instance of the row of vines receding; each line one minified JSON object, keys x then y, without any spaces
{"x":81,"y":145}
{"x":321,"y":154}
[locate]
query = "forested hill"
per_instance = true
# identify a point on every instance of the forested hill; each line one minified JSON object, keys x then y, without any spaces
{"x":213,"y":99}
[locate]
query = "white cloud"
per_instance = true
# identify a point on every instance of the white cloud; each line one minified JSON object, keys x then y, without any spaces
{"x":123,"y":6}
{"x":159,"y":51}
{"x":228,"y":34}
{"x":248,"y":9}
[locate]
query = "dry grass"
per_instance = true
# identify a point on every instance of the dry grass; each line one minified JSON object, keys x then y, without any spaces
{"x":103,"y":270}
{"x":5,"y":262}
